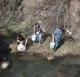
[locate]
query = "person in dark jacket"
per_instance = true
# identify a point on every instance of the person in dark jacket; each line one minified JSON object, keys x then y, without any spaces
{"x":21,"y":39}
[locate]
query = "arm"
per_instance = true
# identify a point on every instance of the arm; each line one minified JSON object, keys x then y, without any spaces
{"x":43,"y":29}
{"x":53,"y":35}
{"x":18,"y":40}
{"x":34,"y":29}
{"x":52,"y":38}
{"x":69,"y":32}
{"x":26,"y":41}
{"x":24,"y":38}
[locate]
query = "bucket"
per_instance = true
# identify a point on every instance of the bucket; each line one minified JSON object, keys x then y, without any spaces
{"x":52,"y":45}
{"x":33,"y":37}
{"x":21,"y":47}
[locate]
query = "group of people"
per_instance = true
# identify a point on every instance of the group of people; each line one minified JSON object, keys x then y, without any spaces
{"x":56,"y":36}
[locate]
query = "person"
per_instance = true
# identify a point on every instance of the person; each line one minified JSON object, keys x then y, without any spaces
{"x":21,"y":39}
{"x":38,"y":32}
{"x":56,"y":36}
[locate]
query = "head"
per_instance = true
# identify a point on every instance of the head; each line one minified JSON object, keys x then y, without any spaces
{"x":19,"y":35}
{"x":61,"y":28}
{"x":40,"y":22}
{"x":37,"y":25}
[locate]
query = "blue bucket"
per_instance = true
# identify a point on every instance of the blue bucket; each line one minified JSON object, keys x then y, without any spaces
{"x":52,"y":45}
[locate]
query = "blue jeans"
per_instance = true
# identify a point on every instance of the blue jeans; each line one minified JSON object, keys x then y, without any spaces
{"x":57,"y":42}
{"x":39,"y":36}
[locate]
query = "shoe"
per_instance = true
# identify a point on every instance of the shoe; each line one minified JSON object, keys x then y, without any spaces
{"x":39,"y":44}
{"x":55,"y":48}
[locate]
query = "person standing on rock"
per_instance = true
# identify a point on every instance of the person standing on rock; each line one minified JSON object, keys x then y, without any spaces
{"x":56,"y":35}
{"x":38,"y":32}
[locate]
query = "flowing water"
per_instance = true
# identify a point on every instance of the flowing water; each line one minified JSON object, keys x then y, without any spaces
{"x":34,"y":66}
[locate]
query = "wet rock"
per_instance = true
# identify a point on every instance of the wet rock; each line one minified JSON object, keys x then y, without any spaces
{"x":50,"y":57}
{"x":13,"y":46}
{"x":4,"y":65}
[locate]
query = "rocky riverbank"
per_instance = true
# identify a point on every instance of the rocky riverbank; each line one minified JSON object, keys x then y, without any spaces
{"x":69,"y":47}
{"x":20,"y":16}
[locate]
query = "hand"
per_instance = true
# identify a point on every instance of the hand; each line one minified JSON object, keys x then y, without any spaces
{"x":70,"y":33}
{"x":44,"y":30}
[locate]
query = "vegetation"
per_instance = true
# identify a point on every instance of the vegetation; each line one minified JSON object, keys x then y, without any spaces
{"x":21,"y":15}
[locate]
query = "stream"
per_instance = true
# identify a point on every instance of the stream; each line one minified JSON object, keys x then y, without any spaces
{"x":34,"y":66}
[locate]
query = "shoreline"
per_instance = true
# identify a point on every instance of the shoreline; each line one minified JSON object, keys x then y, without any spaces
{"x":47,"y":52}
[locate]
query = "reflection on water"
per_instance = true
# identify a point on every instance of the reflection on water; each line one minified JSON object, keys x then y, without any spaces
{"x":33,"y":66}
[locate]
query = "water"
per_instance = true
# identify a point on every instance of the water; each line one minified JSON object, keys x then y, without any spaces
{"x":34,"y":66}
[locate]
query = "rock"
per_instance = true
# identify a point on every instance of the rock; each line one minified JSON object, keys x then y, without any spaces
{"x":4,"y":65}
{"x":50,"y":57}
{"x":13,"y":46}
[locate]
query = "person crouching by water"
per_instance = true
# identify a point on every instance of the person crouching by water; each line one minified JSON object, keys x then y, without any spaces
{"x":21,"y":42}
{"x":38,"y":32}
{"x":57,"y":34}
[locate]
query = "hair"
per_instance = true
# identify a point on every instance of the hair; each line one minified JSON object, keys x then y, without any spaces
{"x":20,"y":37}
{"x":36,"y":23}
{"x":61,"y":28}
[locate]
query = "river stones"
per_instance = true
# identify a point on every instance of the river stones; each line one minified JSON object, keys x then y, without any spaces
{"x":5,"y":64}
